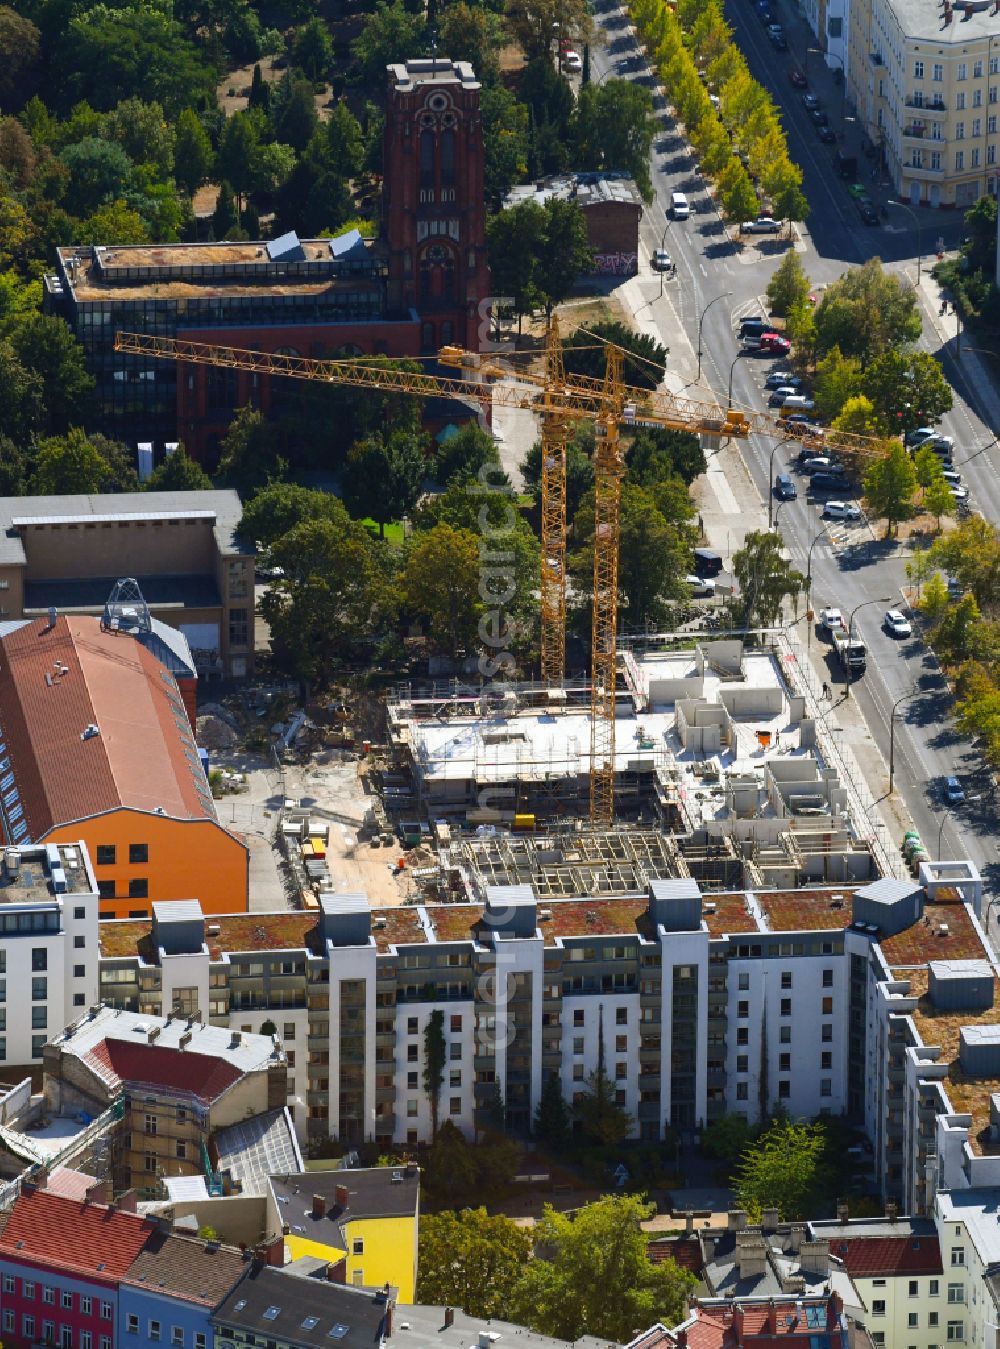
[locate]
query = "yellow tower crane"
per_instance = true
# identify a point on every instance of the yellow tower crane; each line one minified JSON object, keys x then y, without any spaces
{"x":561,"y":401}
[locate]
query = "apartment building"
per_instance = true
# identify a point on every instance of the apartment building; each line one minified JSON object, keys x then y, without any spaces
{"x":925,"y":82}
{"x":96,"y":744}
{"x":194,"y":571}
{"x":48,"y":946}
{"x":169,"y":1292}
{"x":177,"y":1082}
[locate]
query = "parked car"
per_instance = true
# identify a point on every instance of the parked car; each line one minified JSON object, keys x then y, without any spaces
{"x":778,"y":379}
{"x":826,"y":481}
{"x":662,"y":261}
{"x":810,"y":102}
{"x":773,"y":344}
{"x":764,"y":224}
{"x":779,"y":395}
{"x":952,"y":791}
{"x":701,"y":586}
{"x":952,"y":477}
{"x":753,"y":327}
{"x":841,"y":510}
{"x":780,"y":42}
{"x":798,"y":402}
{"x":797,"y":79}
{"x":959,"y":492}
{"x":784,"y":488}
{"x":571,"y":61}
{"x":896,"y":623}
{"x":679,"y":207}
{"x":867,"y":212}
{"x":706,"y":562}
{"x":846,"y":165}
{"x":831,"y":619}
{"x":817,"y":463}
{"x":819,"y":116}
{"x":916,"y":438}
{"x":827,"y":135}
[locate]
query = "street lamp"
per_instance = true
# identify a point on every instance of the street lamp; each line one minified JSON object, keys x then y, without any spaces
{"x":771,"y":514}
{"x":850,"y":637}
{"x":910,"y":212}
{"x":731,"y":369}
{"x":725,"y":294}
{"x":832,"y":56}
{"x":809,"y":578}
{"x":892,"y":732}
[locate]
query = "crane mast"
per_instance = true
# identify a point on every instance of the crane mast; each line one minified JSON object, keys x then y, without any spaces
{"x":555,"y":437}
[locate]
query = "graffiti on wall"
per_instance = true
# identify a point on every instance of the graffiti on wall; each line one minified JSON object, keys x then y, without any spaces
{"x":616,"y":264}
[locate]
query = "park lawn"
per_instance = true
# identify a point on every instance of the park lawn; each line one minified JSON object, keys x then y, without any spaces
{"x":393,"y":530}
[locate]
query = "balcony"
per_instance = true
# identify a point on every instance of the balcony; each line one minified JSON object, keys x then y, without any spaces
{"x":937,"y":105}
{"x":924,"y":169}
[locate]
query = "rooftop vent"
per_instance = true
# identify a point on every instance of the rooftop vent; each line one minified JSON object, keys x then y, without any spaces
{"x":89,"y":732}
{"x":286,"y":248}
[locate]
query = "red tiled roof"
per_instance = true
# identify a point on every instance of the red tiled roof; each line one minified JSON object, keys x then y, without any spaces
{"x":732,"y":1325}
{"x":85,"y":1239}
{"x":878,"y":1257}
{"x":174,"y":1069}
{"x":137,"y":760}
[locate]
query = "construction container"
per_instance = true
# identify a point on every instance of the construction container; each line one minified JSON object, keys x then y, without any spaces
{"x":524,"y":823}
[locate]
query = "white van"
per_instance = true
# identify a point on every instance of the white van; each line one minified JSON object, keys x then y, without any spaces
{"x":797,"y":402}
{"x":679,"y":208}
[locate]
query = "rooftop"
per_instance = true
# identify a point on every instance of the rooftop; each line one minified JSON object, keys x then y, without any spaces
{"x":919,"y":21}
{"x":184,"y":1267}
{"x":587,"y":189}
{"x":116,"y":1045}
{"x":88,"y":594}
{"x":427,"y":1328}
{"x":926,"y":941}
{"x":221,"y":508}
{"x":90,"y":1240}
{"x":255,"y":1149}
{"x":59,"y":681}
{"x":32,"y":881}
{"x":872,"y":1248}
{"x":806,"y":910}
{"x":303,"y":1311}
{"x":371,"y":1192}
{"x":717,"y":1323}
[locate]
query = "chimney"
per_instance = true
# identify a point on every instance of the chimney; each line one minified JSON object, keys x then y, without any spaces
{"x":682,"y":1339}
{"x":892,"y":1211}
{"x":236,"y":1040}
{"x":340,"y":1196}
{"x":769,"y":1220}
{"x":184,"y":1040}
{"x":814,"y":1257}
{"x":53,"y":615}
{"x":387,"y":1324}
{"x":708,"y":1240}
{"x":795,"y":1234}
{"x":751,"y":1255}
{"x":449,"y":1317}
{"x":688,"y":1223}
{"x":736,"y":1220}
{"x":319,"y":1206}
{"x":843,"y":1211}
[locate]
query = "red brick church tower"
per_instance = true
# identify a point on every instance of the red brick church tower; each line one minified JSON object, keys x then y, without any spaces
{"x":434,"y":209}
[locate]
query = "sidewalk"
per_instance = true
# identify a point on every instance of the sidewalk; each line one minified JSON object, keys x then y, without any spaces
{"x":980,"y":382}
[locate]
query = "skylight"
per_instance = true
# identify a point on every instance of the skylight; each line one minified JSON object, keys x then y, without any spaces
{"x":310,"y":1323}
{"x":271,"y":1313}
{"x":337,"y":1331}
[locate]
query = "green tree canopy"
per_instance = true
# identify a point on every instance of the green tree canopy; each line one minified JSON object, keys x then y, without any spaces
{"x":613,"y":129}
{"x":473,"y":33}
{"x":69,"y":464}
{"x":837,"y":378}
{"x":440,"y":581}
{"x":471,"y":1260}
{"x":383,"y":474}
{"x":143,"y":132}
{"x":782,"y":1170}
{"x":643,"y":366}
{"x":597,"y":1278}
{"x":766,"y":578}
{"x":45,"y":345}
{"x":462,"y":455}
{"x":99,"y":171}
{"x":657,"y":455}
{"x":248,"y":457}
{"x":552,"y":1117}
{"x":390,"y":34}
{"x":179,"y":473}
{"x":280,"y":506}
{"x":971,"y":554}
{"x":535,"y":26}
{"x":890,"y":485}
{"x":505,"y":142}
{"x":21,"y":43}
{"x":789,"y":286}
{"x":907,"y":389}
{"x":312,"y":50}
{"x":579,"y":468}
{"x":435,"y":1061}
{"x":866,"y":312}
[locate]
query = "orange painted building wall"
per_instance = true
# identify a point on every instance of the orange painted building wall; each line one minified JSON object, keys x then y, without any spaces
{"x":186,"y":859}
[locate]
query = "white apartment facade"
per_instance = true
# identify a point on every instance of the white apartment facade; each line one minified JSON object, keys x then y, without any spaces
{"x":924,"y":80}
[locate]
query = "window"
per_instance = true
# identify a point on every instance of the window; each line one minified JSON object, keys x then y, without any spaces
{"x":182,"y":1150}
{"x":956,"y":1293}
{"x":456,"y":1024}
{"x":412,"y":1053}
{"x":786,"y":978}
{"x":743,"y":1009}
{"x":956,"y":1331}
{"x":963,"y":71}
{"x":39,"y":1018}
{"x":149,"y":1162}
{"x":977,"y":98}
{"x":938,"y":74}
{"x":744,"y":982}
{"x":132,"y":1324}
{"x":176,"y":1334}
{"x":86,"y":1340}
{"x":827,"y":1007}
{"x":933,"y":1288}
{"x":974,"y":160}
{"x":914,"y":1288}
{"x":621,"y":1044}
{"x":153,"y":1329}
{"x":621,"y":1016}
{"x":621,"y":1071}
{"x":49,"y":1296}
{"x":138,"y":888}
{"x":199,"y":1340}
{"x":139,"y":852}
{"x":786,"y":1007}
{"x":149,"y":1125}
{"x":86,"y":1305}
{"x":828,"y":978}
{"x":358,"y":1246}
{"x":742,"y":1063}
{"x":79,"y":943}
{"x":742,"y":1035}
{"x":412,"y":1109}
{"x":79,"y":971}
{"x":977,"y":70}
{"x":826,"y":1032}
{"x":912,"y":1320}
{"x":106,"y":889}
{"x":412,"y":1025}
{"x":105,"y":1342}
{"x":8,"y":1320}
{"x":785,"y":1035}
{"x":578,"y":1017}
{"x":932,"y":1319}
{"x":106,"y":854}
{"x":577,"y":1044}
{"x":784,"y":1089}
{"x":577,"y":1072}
{"x":960,"y":102}
{"x":935,"y":159}
{"x":918,"y":70}
{"x":878,"y":1307}
{"x":878,"y":1338}
{"x":28,"y":1327}
{"x":412,"y":1081}
{"x":49,"y":1332}
{"x":27,"y":1288}
{"x":784,"y":1063}
{"x":39,"y":959}
{"x":957,"y":1255}
{"x":826,"y":1086}
{"x":239,"y":627}
{"x":741,"y":1091}
{"x":39,"y":989}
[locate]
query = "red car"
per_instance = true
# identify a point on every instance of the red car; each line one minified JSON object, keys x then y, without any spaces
{"x":797,"y":78}
{"x":774,"y":344}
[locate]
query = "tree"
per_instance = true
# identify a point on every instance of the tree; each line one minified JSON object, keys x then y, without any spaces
{"x":22,"y":408}
{"x":224,"y":217}
{"x":564,"y":253}
{"x":280,"y":506}
{"x":866,"y":312}
{"x":260,"y":91}
{"x":114,"y":223}
{"x":295,"y":121}
{"x":192,"y":152}
{"x":382,"y":476}
{"x":927,"y":466}
{"x":473,"y":33}
{"x":248,"y":458}
{"x":765,"y":579}
{"x":143,"y":133}
{"x":782,"y":1170}
{"x":505,"y":142}
{"x":938,"y":500}
{"x":856,"y":417}
{"x":890,"y":484}
{"x":492,"y":1115}
{"x":20,"y":42}
{"x":907,"y":390}
{"x":514,"y":237}
{"x":726,"y":1137}
{"x":440,"y":581}
{"x":461,"y":456}
{"x":312,"y":50}
{"x":471,"y":1260}
{"x":657,"y":455}
{"x":345,"y":141}
{"x":603,"y":1122}
{"x":579,"y":468}
{"x":933,"y":604}
{"x":645,"y":362}
{"x":837,"y":379}
{"x":238,"y":149}
{"x":552,"y":1118}
{"x":46,"y":345}
{"x":597,"y":1278}
{"x":179,"y":473}
{"x":736,"y":192}
{"x":789,"y":286}
{"x":328,"y":596}
{"x":99,"y":171}
{"x":533,"y":26}
{"x":435,"y":1058}
{"x":390,"y":34}
{"x":68,"y":465}
{"x":613,"y":129}
{"x":13,"y":468}
{"x":971,"y":554}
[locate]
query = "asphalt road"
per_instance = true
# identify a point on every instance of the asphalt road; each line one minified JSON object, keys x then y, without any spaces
{"x":860,"y":568}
